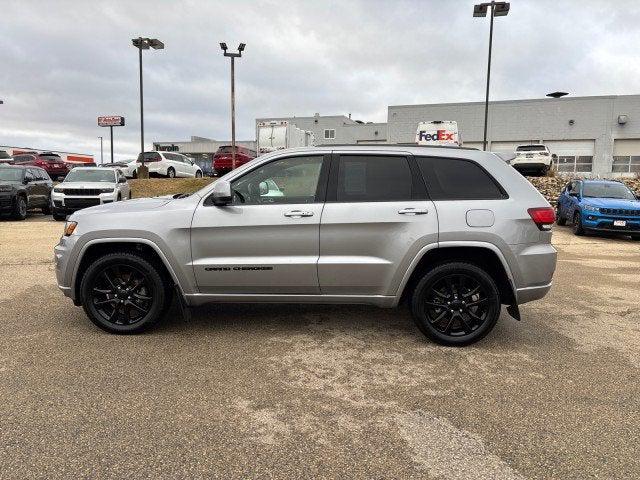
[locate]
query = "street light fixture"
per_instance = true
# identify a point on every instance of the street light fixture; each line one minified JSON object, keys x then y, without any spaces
{"x":498,"y":9}
{"x":233,"y":56}
{"x":144,"y":44}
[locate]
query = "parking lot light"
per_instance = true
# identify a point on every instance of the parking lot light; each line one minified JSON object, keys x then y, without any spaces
{"x":143,"y":43}
{"x":233,"y":56}
{"x":496,"y":9}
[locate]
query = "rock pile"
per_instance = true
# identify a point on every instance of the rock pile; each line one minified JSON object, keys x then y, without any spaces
{"x":550,"y":187}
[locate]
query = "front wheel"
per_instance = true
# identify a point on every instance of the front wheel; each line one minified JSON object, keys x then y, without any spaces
{"x":578,"y":229}
{"x":124,"y":293}
{"x":20,"y":208}
{"x":456,"y":304}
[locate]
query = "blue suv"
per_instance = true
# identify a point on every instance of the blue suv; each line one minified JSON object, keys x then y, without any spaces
{"x":599,"y":206}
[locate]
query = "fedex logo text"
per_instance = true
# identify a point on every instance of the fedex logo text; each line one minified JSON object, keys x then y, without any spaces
{"x":439,"y":135}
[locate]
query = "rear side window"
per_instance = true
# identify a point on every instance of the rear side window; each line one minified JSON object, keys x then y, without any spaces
{"x":457,"y":179}
{"x":373,"y":179}
{"x":149,"y":157}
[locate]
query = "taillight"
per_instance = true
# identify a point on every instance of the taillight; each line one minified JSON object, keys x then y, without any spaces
{"x":543,"y":217}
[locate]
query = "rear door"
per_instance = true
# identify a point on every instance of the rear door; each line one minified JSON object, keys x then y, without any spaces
{"x":376,"y":219}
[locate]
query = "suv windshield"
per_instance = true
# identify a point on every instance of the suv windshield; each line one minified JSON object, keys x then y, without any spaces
{"x":530,"y":148}
{"x":607,"y":190}
{"x":10,"y":174}
{"x":81,"y":175}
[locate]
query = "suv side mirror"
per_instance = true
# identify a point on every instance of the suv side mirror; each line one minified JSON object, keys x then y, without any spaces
{"x":221,"y":194}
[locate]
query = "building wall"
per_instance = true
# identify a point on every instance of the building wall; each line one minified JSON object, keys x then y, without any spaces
{"x":594,"y":118}
{"x":200,"y":145}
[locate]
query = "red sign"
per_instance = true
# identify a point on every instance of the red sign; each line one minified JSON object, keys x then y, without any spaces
{"x":111,"y":121}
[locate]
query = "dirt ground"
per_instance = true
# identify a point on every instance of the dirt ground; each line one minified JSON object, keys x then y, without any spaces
{"x":289,"y":391}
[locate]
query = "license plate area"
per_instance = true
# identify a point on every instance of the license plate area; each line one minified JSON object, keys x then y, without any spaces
{"x":619,"y":223}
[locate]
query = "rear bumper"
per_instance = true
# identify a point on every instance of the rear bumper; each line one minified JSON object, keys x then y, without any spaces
{"x":529,"y":294}
{"x":536,"y":264}
{"x":530,"y":165}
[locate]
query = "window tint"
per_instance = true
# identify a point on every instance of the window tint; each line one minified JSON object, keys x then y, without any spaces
{"x":288,"y":180}
{"x":457,"y":179}
{"x":373,"y":179}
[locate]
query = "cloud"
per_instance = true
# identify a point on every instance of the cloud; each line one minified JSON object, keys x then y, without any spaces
{"x":65,"y":63}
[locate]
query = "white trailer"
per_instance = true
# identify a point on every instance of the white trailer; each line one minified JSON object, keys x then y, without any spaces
{"x":280,"y":134}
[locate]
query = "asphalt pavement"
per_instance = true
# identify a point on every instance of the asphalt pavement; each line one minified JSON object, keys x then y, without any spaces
{"x":290,"y":391}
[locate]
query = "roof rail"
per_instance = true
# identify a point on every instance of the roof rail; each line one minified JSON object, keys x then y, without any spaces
{"x":375,"y":144}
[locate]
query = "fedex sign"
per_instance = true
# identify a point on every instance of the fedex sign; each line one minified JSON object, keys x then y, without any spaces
{"x":437,"y":133}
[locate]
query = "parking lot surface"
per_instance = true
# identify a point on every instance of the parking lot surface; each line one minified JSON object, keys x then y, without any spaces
{"x":292,"y":391}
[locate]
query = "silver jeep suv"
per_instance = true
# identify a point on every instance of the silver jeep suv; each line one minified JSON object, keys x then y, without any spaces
{"x":455,"y":232}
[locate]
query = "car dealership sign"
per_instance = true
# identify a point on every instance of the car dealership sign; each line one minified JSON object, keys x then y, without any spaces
{"x":111,"y":121}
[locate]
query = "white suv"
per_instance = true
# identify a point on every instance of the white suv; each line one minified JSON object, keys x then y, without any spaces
{"x":532,"y":158}
{"x":170,"y":164}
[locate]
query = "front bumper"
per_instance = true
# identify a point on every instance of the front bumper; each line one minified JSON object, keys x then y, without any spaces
{"x":605,"y":223}
{"x":71,"y":203}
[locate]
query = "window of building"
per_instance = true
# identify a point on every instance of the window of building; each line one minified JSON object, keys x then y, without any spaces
{"x":457,"y":179}
{"x":329,"y":133}
{"x":373,"y":179}
{"x":626,"y":164}
{"x":575,"y":163}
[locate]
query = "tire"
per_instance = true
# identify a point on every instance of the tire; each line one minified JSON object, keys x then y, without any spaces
{"x":47,"y":210}
{"x":560,"y":220}
{"x":135,"y":174}
{"x":124,"y":293}
{"x":19,"y":208}
{"x":577,"y":224}
{"x":198,"y":174}
{"x":456,"y":323}
{"x":57,"y":216}
{"x":171,"y":173}
{"x":635,"y":238}
{"x":119,"y":199}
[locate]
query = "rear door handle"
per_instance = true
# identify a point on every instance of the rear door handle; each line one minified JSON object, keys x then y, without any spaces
{"x":413,"y":211}
{"x":298,"y":214}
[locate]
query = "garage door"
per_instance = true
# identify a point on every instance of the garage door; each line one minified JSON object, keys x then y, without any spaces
{"x":626,"y":155}
{"x":507,"y":147}
{"x":572,"y":155}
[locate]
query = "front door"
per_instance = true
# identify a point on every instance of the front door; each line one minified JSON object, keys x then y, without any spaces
{"x":376,"y":219}
{"x":267,"y":240}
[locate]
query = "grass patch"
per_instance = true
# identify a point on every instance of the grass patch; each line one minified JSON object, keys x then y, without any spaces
{"x":155,"y":187}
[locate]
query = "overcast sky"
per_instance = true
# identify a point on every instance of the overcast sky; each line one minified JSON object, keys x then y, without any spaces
{"x":63,"y":63}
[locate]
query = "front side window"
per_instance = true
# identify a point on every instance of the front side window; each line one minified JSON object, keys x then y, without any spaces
{"x":288,"y":180}
{"x":329,"y":134}
{"x":363,"y":178}
{"x":457,"y":179}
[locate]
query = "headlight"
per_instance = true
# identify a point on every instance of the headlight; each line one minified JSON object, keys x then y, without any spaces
{"x":590,"y":208}
{"x":58,"y":189}
{"x":69,"y":228}
{"x":106,"y":190}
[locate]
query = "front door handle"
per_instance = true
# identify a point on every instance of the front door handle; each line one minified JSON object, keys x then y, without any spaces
{"x":298,"y":214}
{"x":413,"y":211}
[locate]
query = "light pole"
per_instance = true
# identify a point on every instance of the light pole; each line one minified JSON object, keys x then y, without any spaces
{"x":498,"y":9}
{"x":233,"y":56}
{"x":143,"y":44}
{"x":101,"y":159}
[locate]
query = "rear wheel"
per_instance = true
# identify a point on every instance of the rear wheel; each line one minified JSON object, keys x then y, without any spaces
{"x":578,"y":229}
{"x":456,"y":304}
{"x":20,"y":208}
{"x":171,"y":173}
{"x":124,"y":293}
{"x":198,"y":174}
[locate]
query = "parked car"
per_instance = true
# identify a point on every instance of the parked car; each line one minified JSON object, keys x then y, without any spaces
{"x":88,"y":186}
{"x":456,"y":232}
{"x":129,"y":167}
{"x":223,"y":158}
{"x":170,"y":164}
{"x":534,"y":158}
{"x":599,"y":206}
{"x":24,"y":188}
{"x":50,"y":162}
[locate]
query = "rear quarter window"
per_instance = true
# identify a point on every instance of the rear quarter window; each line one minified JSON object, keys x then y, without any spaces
{"x":458,"y":179}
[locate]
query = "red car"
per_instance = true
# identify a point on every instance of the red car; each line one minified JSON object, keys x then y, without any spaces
{"x":223,"y":158}
{"x":50,"y":162}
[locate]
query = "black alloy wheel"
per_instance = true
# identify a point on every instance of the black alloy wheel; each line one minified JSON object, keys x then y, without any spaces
{"x":20,"y":208}
{"x":456,"y":304}
{"x":124,"y":293}
{"x":578,"y":229}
